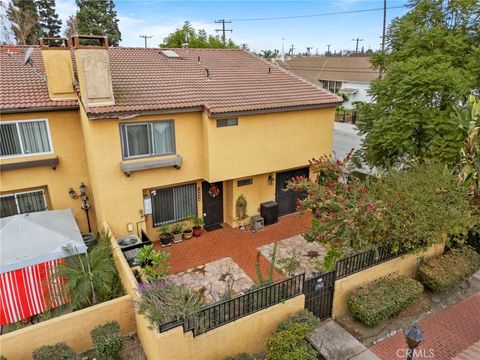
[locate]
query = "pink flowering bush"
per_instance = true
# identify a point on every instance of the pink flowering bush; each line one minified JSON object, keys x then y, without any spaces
{"x":346,"y":217}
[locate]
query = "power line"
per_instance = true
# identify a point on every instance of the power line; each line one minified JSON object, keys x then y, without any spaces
{"x":318,"y":15}
{"x":223,"y":30}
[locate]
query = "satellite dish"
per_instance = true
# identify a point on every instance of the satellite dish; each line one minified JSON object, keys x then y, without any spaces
{"x":28,"y":57}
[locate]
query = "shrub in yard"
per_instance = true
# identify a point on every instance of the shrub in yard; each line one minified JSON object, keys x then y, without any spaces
{"x":58,"y":351}
{"x":444,"y":272}
{"x":107,"y":340}
{"x":290,"y":343}
{"x":303,"y":316}
{"x":162,"y":301}
{"x":2,"y":357}
{"x":241,"y":356}
{"x":382,"y":298}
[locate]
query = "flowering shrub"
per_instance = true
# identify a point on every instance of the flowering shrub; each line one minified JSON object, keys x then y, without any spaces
{"x":346,"y":215}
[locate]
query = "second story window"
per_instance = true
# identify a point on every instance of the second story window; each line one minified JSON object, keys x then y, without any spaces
{"x":147,"y":139}
{"x":227,"y":122}
{"x":28,"y":137}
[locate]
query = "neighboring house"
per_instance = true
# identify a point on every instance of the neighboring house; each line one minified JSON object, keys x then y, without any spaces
{"x":348,"y":75}
{"x":158,"y":134}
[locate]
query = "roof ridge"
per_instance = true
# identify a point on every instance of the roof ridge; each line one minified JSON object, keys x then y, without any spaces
{"x":296,"y":76}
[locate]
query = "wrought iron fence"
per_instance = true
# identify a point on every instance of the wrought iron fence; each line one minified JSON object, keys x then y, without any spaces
{"x":363,"y":260}
{"x":226,"y":311}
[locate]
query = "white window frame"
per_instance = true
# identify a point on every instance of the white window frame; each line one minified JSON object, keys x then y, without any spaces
{"x":14,"y":194}
{"x":124,"y":141}
{"x":16,"y":122}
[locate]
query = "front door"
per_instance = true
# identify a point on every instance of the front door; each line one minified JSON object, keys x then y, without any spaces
{"x":287,"y":200}
{"x":212,"y":195}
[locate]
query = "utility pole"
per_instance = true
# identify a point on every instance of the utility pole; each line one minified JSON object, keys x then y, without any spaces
{"x":356,"y":47}
{"x":223,"y":30}
{"x":145,"y":37}
{"x":283,"y":49}
{"x":328,"y":50}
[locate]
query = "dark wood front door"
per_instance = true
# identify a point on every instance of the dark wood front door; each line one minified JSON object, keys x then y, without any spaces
{"x":212,"y":206}
{"x":287,"y":200}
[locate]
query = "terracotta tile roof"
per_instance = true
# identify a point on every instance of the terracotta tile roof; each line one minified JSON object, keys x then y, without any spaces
{"x":22,"y":86}
{"x":339,"y":68}
{"x":145,"y":79}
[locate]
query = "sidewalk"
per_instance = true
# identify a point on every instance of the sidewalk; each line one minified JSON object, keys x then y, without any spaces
{"x":447,"y":333}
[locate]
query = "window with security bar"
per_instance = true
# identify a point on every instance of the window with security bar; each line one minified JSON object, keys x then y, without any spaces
{"x":22,"y":203}
{"x":173,"y":204}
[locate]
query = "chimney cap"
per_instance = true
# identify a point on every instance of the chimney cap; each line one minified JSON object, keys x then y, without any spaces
{"x":55,"y":43}
{"x":89,"y":39}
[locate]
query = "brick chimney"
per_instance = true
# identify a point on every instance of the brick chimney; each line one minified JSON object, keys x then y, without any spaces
{"x":58,"y":68}
{"x":93,"y":68}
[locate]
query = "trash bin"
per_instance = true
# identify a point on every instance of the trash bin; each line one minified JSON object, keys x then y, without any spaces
{"x":269,"y":212}
{"x":89,"y":239}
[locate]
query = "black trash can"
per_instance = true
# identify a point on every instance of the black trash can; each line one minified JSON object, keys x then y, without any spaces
{"x":269,"y":212}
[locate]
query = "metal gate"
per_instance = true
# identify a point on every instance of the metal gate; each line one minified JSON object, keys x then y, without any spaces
{"x":318,"y":292}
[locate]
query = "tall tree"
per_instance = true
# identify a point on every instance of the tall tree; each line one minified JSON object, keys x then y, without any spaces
{"x":430,"y":65}
{"x":71,"y":26}
{"x":195,"y":39}
{"x":23,"y":18}
{"x":98,"y":17}
{"x":50,"y":24}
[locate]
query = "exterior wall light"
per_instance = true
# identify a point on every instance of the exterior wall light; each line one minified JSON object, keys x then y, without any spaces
{"x":271,"y":179}
{"x":83,"y":196}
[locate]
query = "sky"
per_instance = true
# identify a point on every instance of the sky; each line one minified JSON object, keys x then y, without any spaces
{"x":159,"y":18}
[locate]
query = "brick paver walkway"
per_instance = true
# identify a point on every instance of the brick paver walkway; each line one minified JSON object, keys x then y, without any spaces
{"x":236,"y":244}
{"x":447,"y":333}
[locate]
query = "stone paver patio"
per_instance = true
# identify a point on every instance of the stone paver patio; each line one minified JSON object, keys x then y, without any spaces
{"x":309,"y":254}
{"x":214,"y":279}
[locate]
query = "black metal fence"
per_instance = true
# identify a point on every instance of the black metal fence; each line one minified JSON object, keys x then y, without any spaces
{"x":318,"y":290}
{"x":355,"y":263}
{"x":223,"y":312}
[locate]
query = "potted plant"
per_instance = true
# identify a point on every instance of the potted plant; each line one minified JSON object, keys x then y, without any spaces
{"x":187,"y":233}
{"x":144,"y":255}
{"x":197,"y":227}
{"x":177,"y":231}
{"x":166,"y":236}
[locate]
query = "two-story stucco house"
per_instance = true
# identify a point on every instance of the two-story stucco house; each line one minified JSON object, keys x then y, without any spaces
{"x":156,"y":134}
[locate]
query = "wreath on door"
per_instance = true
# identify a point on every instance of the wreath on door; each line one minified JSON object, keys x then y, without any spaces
{"x":214,"y":191}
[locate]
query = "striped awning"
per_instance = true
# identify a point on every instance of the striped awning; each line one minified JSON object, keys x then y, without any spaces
{"x":30,"y":291}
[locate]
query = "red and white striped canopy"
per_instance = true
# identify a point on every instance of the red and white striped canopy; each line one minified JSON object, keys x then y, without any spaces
{"x":30,"y":291}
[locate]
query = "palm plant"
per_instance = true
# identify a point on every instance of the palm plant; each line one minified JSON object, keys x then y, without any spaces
{"x":90,"y":278}
{"x":268,"y":54}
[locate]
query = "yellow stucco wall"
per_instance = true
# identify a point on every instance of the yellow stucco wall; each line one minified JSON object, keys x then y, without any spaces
{"x":260,"y":145}
{"x":59,"y":71}
{"x":248,"y":334}
{"x":67,"y":142}
{"x":73,"y":329}
{"x":267,"y":143}
{"x":405,"y":265}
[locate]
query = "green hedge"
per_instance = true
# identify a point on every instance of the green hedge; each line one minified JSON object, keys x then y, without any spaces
{"x":382,"y":298}
{"x":58,"y":351}
{"x":107,"y":340}
{"x":288,"y":342}
{"x":441,"y":273}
